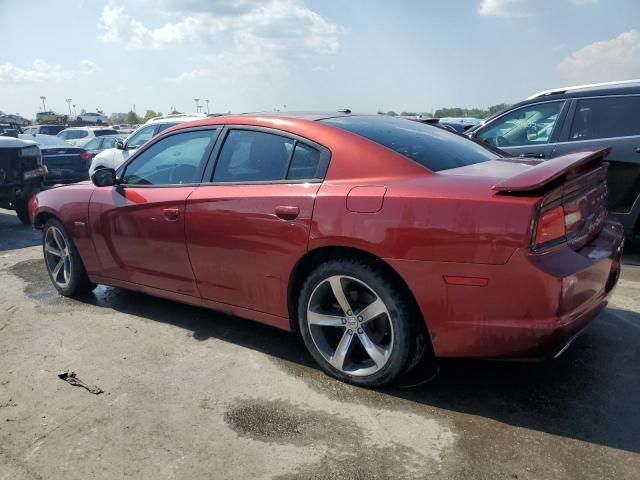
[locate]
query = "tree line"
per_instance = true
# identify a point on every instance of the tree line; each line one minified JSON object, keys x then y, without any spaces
{"x":451,"y":112}
{"x":132,"y":118}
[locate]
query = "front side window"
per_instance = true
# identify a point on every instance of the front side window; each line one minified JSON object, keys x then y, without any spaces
{"x":93,"y":144}
{"x":607,"y":117}
{"x":141,"y":137}
{"x":530,"y":125}
{"x":108,"y":143}
{"x":175,"y":160}
{"x":249,"y":156}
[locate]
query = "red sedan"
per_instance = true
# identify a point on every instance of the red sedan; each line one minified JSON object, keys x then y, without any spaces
{"x":379,"y":239}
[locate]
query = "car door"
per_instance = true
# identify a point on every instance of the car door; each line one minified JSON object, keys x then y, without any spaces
{"x":614,"y":122}
{"x":138,"y":225}
{"x":529,"y":131}
{"x":247,"y":228}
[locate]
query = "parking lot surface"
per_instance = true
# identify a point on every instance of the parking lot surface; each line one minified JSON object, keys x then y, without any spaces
{"x":190,"y":393}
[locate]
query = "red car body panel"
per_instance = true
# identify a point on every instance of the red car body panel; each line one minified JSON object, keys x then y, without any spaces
{"x":233,"y":248}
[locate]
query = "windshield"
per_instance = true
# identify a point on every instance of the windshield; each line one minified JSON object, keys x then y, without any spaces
{"x":431,"y":147}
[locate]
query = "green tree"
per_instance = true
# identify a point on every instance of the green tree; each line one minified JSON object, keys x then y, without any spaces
{"x":132,"y":118}
{"x":149,"y":114}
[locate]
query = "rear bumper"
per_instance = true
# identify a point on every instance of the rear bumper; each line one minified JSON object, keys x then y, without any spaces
{"x":530,"y":307}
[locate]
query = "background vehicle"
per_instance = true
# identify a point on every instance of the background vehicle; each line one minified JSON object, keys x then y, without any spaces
{"x":50,"y":117}
{"x":17,"y":119}
{"x":44,"y":129}
{"x":21,"y":174}
{"x":104,"y":142}
{"x":113,"y":158}
{"x":572,"y":119}
{"x":79,"y":136}
{"x":378,"y":238}
{"x":97,"y":118}
{"x":9,"y":130}
{"x":65,"y":163}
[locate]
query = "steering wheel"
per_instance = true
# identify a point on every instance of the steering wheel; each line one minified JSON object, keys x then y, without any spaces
{"x":183,"y":174}
{"x":501,"y":141}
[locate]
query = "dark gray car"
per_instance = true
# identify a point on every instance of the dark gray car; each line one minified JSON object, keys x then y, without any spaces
{"x":556,"y":122}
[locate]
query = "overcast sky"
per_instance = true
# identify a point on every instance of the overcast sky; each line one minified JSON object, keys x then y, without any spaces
{"x":307,"y":54}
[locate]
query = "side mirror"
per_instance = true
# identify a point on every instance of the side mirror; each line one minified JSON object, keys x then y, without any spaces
{"x":120,"y":145}
{"x":104,"y":177}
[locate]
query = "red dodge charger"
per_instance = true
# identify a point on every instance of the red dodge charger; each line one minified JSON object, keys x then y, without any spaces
{"x":381,"y":240}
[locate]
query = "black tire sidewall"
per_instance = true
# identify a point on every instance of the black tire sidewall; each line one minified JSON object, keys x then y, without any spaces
{"x":396,"y":304}
{"x":22,"y":211}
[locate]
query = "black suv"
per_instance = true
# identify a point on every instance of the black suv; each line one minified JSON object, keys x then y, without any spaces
{"x":556,"y":122}
{"x":21,"y":174}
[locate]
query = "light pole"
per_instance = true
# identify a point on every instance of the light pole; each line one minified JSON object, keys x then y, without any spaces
{"x":207,"y":106}
{"x":197,"y":104}
{"x":68,"y":100}
{"x":74,"y":109}
{"x":44,"y":105}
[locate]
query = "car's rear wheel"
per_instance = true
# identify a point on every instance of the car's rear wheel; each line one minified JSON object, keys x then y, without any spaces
{"x":64,"y":265}
{"x":355,"y":323}
{"x":22,"y":211}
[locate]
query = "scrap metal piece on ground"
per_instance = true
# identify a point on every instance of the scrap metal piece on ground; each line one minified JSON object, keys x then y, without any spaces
{"x":70,"y":377}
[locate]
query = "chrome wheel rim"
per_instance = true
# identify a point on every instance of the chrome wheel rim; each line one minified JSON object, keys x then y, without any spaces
{"x":350,"y":325}
{"x":57,"y":257}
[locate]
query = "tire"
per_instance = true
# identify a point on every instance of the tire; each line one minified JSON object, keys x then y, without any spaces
{"x":22,"y":210}
{"x":69,"y":278}
{"x":389,"y":334}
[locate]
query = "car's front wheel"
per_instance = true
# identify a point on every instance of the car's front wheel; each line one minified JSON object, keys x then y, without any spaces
{"x":63,"y":262}
{"x":355,"y":323}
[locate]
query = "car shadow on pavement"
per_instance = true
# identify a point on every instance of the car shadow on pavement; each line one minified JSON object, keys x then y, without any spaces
{"x":590,"y":394}
{"x":14,"y":234}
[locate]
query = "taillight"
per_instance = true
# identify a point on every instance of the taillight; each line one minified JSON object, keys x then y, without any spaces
{"x":550,"y":227}
{"x":84,"y":155}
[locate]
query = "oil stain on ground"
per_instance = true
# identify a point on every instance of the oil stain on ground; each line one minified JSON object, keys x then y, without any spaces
{"x":349,"y":453}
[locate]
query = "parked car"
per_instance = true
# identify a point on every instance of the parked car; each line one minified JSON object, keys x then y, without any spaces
{"x":9,"y":130}
{"x":50,"y":117}
{"x":380,"y":239}
{"x":17,"y":119}
{"x":105,"y":142}
{"x":572,"y":119}
{"x":97,"y":118}
{"x":113,"y":158}
{"x":21,"y":174}
{"x":79,"y":136}
{"x":65,"y":163}
{"x":44,"y":129}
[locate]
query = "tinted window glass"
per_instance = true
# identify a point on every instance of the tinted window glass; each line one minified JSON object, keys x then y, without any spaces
{"x":174,"y":160}
{"x":253,"y":156}
{"x":141,"y":137}
{"x":164,"y":126}
{"x":304,"y":163}
{"x":93,"y":144}
{"x":530,"y":125}
{"x":606,"y":118}
{"x":108,"y":143}
{"x":100,"y":133}
{"x":432,"y":147}
{"x":50,"y":130}
{"x":73,"y":134}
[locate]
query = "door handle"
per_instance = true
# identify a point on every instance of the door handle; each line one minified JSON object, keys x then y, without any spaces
{"x":531,"y":155}
{"x":638,"y":150}
{"x":171,"y":214}
{"x":287,"y":212}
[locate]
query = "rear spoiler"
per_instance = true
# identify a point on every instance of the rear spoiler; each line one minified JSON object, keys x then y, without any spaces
{"x":544,"y":173}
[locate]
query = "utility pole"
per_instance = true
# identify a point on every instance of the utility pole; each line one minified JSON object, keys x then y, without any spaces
{"x":44,"y":105}
{"x":197,"y":104}
{"x":68,"y":100}
{"x":207,"y":106}
{"x":74,"y":109}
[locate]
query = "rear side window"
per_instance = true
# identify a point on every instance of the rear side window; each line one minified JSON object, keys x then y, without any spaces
{"x":107,"y":131}
{"x":431,"y":147}
{"x":304,"y":163}
{"x":606,"y":118}
{"x":73,"y":134}
{"x":250,"y":156}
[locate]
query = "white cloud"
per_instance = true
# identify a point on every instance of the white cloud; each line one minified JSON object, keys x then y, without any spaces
{"x":190,"y":75}
{"x":41,"y":71}
{"x":522,"y":8}
{"x":607,"y":60}
{"x":273,"y":26}
{"x":507,"y":8}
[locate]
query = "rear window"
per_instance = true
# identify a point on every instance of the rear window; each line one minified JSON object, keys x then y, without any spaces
{"x":51,"y":129}
{"x":106,"y":131}
{"x":431,"y":147}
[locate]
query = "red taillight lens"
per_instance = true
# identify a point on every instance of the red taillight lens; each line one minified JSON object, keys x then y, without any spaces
{"x":84,"y":155}
{"x":550,"y":226}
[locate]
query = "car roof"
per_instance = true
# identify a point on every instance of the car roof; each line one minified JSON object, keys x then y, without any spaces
{"x":305,"y":115}
{"x":10,"y":142}
{"x":107,"y":127}
{"x":607,"y":88}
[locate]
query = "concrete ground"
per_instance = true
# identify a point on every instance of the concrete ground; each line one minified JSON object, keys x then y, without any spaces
{"x":192,"y":394}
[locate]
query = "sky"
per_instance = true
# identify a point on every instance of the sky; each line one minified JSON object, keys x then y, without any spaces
{"x":366,"y":55}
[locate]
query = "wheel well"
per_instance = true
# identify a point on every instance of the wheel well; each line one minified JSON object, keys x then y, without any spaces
{"x":315,"y":257}
{"x":42,"y":218}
